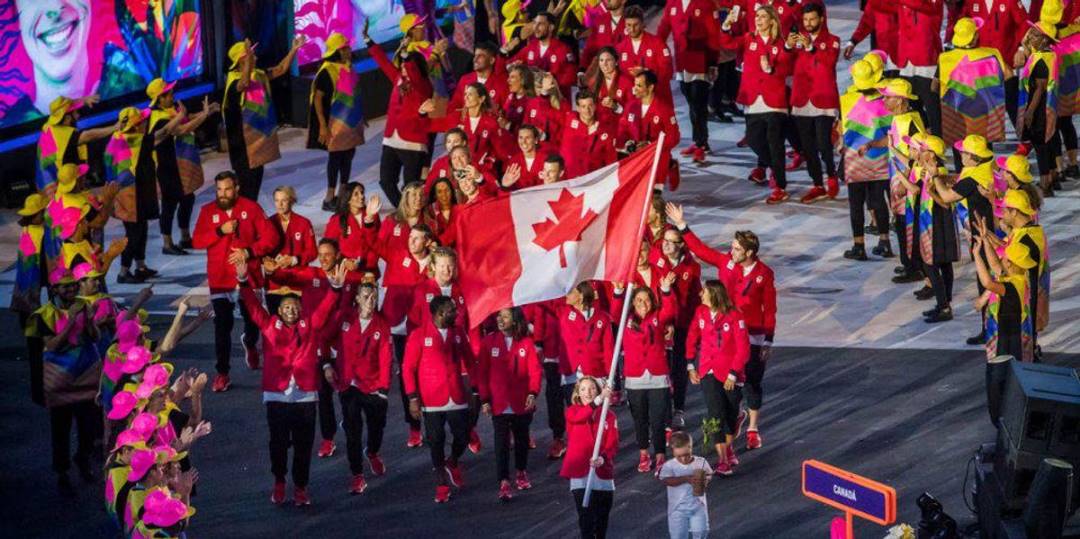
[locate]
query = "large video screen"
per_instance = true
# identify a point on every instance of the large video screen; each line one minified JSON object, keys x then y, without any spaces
{"x":75,"y":48}
{"x":317,"y":19}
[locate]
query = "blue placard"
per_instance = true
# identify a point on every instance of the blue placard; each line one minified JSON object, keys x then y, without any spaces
{"x":845,"y":493}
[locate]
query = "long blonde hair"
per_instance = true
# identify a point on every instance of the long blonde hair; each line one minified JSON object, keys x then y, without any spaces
{"x":399,"y":213}
{"x":774,"y":26}
{"x":575,"y":397}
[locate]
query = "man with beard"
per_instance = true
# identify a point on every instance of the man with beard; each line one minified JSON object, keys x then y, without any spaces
{"x":641,"y":51}
{"x":489,"y":69}
{"x":543,"y":51}
{"x":233,"y":230}
{"x":642,"y":122}
{"x":607,"y":30}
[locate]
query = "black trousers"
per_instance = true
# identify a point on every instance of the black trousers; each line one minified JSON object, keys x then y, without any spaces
{"x":180,"y":207}
{"x":928,"y":102}
{"x":871,"y":195}
{"x":815,"y":133}
{"x":593,"y":520}
{"x":136,"y":245}
{"x":765,"y":135}
{"x":355,"y":407}
{"x":697,"y":98}
{"x":35,"y":354}
{"x":291,"y":424}
{"x":941,"y":280}
{"x":435,"y":424}
{"x":506,"y":425}
{"x":755,"y":373}
{"x":791,"y":135}
{"x":1067,"y":131}
{"x":900,"y":228}
{"x":721,"y":404}
{"x":680,"y":378}
{"x":651,"y":410}
{"x":327,"y":417}
{"x":399,"y":353}
{"x":250,"y":181}
{"x":556,"y":400}
{"x":339,"y":167}
{"x":395,"y":164}
{"x":86,"y":415}
{"x":223,"y":326}
{"x":1012,"y":97}
{"x":726,"y":86}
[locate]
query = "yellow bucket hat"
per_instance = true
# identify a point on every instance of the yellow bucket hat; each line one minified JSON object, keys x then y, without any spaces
{"x":68,"y":175}
{"x":982,"y":174}
{"x":60,"y":107}
{"x":34,"y":204}
{"x":1052,"y":12}
{"x":335,"y":42}
{"x":862,"y":75}
{"x":965,"y":31}
{"x":1019,"y":201}
{"x":876,"y":58}
{"x":131,"y":117}
{"x":410,"y":21}
{"x":1018,"y":166}
{"x":925,"y":141}
{"x":157,"y":88}
{"x":975,"y":145}
{"x":1020,"y":255}
{"x":238,"y":51}
{"x":898,"y":88}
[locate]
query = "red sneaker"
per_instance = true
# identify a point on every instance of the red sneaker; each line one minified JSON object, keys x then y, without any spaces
{"x":377,"y":466}
{"x":415,"y":440}
{"x":757,"y":175}
{"x":723,"y":468}
{"x":689,"y":150}
{"x":251,"y":356}
{"x":442,"y":494}
{"x":832,"y":186}
{"x":732,"y":458}
{"x":778,"y":195}
{"x":753,"y":440}
{"x":456,"y":477}
{"x":327,"y":448}
{"x":699,"y":156}
{"x":532,"y":442}
{"x":558,"y":449}
{"x":813,"y":195}
{"x":474,"y":442}
{"x":659,"y":463}
{"x":796,"y":162}
{"x":741,"y":143}
{"x":667,"y":437}
{"x":221,"y":383}
{"x":300,"y":497}
{"x":739,"y":421}
{"x":1023,"y":149}
{"x":522,"y":480}
{"x":277,"y":496}
{"x":359,"y":485}
{"x":644,"y":462}
{"x":504,"y":491}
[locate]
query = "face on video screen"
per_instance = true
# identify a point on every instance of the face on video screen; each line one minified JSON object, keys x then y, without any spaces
{"x":74,"y":48}
{"x":317,"y":19}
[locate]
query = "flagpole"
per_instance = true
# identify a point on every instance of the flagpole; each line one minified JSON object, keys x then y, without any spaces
{"x":622,"y":325}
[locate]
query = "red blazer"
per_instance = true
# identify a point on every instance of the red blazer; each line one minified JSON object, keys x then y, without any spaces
{"x":687,"y":286}
{"x":495,"y":85}
{"x":513,"y":108}
{"x":544,"y":327}
{"x":530,"y":176}
{"x":289,"y":352}
{"x":506,"y":376}
{"x":814,"y":75}
{"x":364,"y":355}
{"x":919,"y":32}
{"x":356,"y":239}
{"x":603,"y":33}
{"x":754,"y":294}
{"x":582,"y":426}
{"x":540,"y":114}
{"x":660,"y":118}
{"x":1004,"y":25}
{"x":585,"y":344}
{"x":253,"y":233}
{"x":403,"y":273}
{"x":403,"y":112}
{"x":558,"y":60}
{"x":486,"y":142}
{"x":644,"y":345}
{"x":583,"y":151}
{"x":652,"y":54}
{"x":431,"y":368}
{"x":297,"y":240}
{"x":420,"y":311}
{"x":725,"y":343}
{"x":756,"y":83}
{"x":694,"y":32}
{"x":621,"y":91}
{"x":879,"y":18}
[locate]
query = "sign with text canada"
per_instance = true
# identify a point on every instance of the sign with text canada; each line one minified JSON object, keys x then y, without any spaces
{"x":853,"y":494}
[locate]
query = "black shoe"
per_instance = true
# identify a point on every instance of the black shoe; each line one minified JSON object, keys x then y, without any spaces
{"x":126,"y":277}
{"x":870,"y":229}
{"x":924,"y":293}
{"x":173,"y":250}
{"x":884,"y":250}
{"x":63,"y":482}
{"x":942,"y":315}
{"x":899,"y":270}
{"x":185,"y":244}
{"x":720,"y":117}
{"x":977,"y":339}
{"x":1072,"y":171}
{"x":908,"y":277}
{"x":145,"y":273}
{"x":930,"y":312}
{"x":328,"y":205}
{"x":857,"y":252}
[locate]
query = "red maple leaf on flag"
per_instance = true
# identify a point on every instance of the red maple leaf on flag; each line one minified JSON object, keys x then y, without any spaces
{"x":568,"y":225}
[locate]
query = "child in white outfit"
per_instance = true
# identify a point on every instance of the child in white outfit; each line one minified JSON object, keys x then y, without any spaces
{"x":688,"y":515}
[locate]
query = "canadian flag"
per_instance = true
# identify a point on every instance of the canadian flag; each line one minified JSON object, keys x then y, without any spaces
{"x":536,"y":244}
